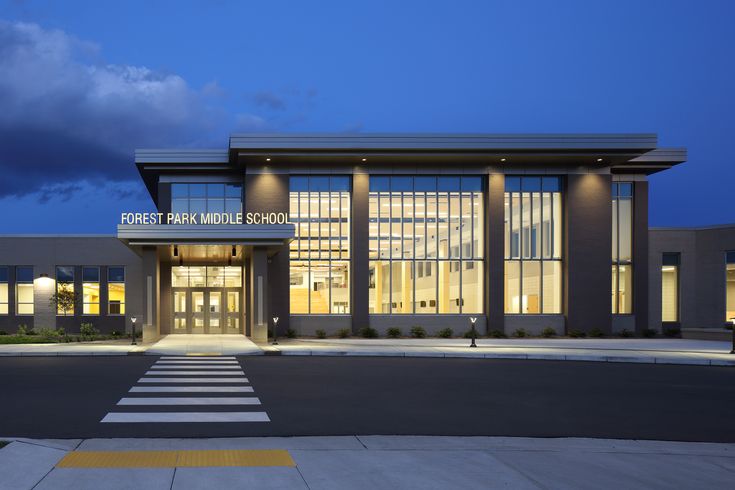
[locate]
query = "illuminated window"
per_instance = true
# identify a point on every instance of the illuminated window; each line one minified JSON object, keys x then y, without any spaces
{"x":206,"y":198}
{"x":670,"y":287}
{"x":91,"y":290}
{"x":622,"y":247}
{"x":533,"y":245}
{"x":730,"y":286}
{"x":4,"y":291}
{"x":24,"y":291}
{"x":320,"y":253}
{"x":116,"y":290}
{"x":65,"y":290}
{"x":425,"y":245}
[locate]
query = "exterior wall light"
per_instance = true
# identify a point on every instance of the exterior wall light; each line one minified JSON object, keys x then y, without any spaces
{"x":43,"y":275}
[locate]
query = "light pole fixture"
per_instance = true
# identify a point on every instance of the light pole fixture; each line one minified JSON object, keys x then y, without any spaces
{"x":133,"y":319}
{"x":732,"y":350}
{"x":275,"y":330}
{"x":473,"y":332}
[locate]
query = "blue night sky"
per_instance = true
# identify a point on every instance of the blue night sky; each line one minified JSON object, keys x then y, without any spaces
{"x":83,"y":83}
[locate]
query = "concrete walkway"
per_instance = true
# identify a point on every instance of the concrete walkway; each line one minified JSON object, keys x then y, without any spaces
{"x":225,"y":345}
{"x":371,"y":462}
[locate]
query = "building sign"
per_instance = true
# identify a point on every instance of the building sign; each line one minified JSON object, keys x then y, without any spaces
{"x":203,"y":218}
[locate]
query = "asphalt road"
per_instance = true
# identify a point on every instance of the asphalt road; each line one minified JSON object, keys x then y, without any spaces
{"x":66,"y":397}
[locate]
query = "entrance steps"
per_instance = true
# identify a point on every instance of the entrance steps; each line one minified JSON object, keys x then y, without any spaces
{"x":204,"y":345}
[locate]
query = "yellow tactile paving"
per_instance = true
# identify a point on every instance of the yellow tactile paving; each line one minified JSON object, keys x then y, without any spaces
{"x":172,"y":459}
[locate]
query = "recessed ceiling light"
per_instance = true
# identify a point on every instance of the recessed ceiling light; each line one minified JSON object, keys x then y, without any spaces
{"x":502,"y":159}
{"x":599,"y":159}
{"x":267,"y":159}
{"x":364,"y":159}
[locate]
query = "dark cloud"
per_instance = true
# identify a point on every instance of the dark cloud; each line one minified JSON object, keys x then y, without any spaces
{"x":269,"y":100}
{"x":64,"y":118}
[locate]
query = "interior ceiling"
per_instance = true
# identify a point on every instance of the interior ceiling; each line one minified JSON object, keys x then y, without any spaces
{"x":207,"y":254}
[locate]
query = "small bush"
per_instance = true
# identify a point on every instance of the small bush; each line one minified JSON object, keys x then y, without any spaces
{"x":291,"y":333}
{"x":368,"y":333}
{"x":61,"y":332}
{"x":87,"y":330}
{"x":445,"y":333}
{"x":22,"y":330}
{"x":3,"y":332}
{"x":626,"y":334}
{"x":418,"y":332}
{"x":596,"y":333}
{"x":577,"y":334}
{"x":31,"y":331}
{"x":321,"y":334}
{"x":548,"y":333}
{"x":672,"y":332}
{"x":520,"y":333}
{"x":343,"y":333}
{"x":497,"y":334}
{"x":394,"y":332}
{"x":48,"y":333}
{"x":649,"y":333}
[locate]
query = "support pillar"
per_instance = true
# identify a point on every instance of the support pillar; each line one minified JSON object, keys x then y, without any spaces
{"x":151,"y":315}
{"x":259,"y":315}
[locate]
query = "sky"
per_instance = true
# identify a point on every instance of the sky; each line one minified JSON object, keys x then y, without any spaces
{"x":84,"y":83}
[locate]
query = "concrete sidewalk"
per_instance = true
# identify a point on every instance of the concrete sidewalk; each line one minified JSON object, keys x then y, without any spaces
{"x":372,"y":462}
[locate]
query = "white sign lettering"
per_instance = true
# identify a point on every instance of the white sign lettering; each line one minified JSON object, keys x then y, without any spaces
{"x":203,"y":218}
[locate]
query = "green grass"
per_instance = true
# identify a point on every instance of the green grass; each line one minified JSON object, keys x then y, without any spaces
{"x":26,"y":339}
{"x":3,"y":444}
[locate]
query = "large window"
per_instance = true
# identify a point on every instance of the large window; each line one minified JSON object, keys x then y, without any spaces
{"x":65,"y":287}
{"x":320,"y":253}
{"x":206,"y":198}
{"x":91,"y":290}
{"x":622,"y":247}
{"x":116,"y":290}
{"x":24,"y":291}
{"x":670,"y":287}
{"x":4,"y":291}
{"x":200,"y":276}
{"x":426,"y":245}
{"x":533,"y":245}
{"x":730,"y":286}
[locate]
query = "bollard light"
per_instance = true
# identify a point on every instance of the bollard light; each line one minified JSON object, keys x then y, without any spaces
{"x":133,"y":319}
{"x":275,"y":330}
{"x":473,"y":319}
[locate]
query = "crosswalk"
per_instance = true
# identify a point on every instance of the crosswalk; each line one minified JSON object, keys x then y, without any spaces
{"x":196,"y":389}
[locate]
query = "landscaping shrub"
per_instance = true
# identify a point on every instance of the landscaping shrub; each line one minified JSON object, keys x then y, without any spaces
{"x":48,"y":333}
{"x":497,"y":334}
{"x":468,"y":334}
{"x":626,"y":334}
{"x":520,"y":333}
{"x":649,"y":333}
{"x":61,"y":332}
{"x":22,"y":330}
{"x":596,"y":333}
{"x":343,"y":333}
{"x":368,"y":333}
{"x":418,"y":332}
{"x":548,"y":332}
{"x":87,"y":330}
{"x":577,"y":334}
{"x":291,"y":333}
{"x":672,"y":331}
{"x":115,"y":334}
{"x":3,"y":332}
{"x":445,"y":333}
{"x":321,"y":334}
{"x":394,"y":332}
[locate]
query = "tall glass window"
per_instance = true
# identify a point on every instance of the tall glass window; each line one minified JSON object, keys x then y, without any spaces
{"x":91,"y":290}
{"x":622,"y":247}
{"x":533,"y":245}
{"x":730,"y":286}
{"x":4,"y":297}
{"x":206,"y":198}
{"x":65,"y":285}
{"x":425,"y":245}
{"x":24,"y":290}
{"x":116,"y":290}
{"x":670,"y":287}
{"x":320,"y":252}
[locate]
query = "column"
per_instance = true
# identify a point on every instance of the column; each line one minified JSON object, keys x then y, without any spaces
{"x":360,"y":253}
{"x":258,"y":317}
{"x":151,"y":297}
{"x":640,"y":256}
{"x":494,"y":252}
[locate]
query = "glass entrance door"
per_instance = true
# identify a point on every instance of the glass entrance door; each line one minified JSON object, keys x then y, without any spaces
{"x":198,"y":311}
{"x":206,"y":300}
{"x":214,"y":309}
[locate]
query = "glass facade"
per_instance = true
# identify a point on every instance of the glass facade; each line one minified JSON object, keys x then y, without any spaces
{"x":622,"y":247}
{"x":4,"y":294}
{"x":65,"y":286}
{"x":319,"y":276}
{"x":533,"y":245}
{"x":116,"y":290}
{"x":670,"y":287}
{"x":426,"y":245}
{"x":206,"y":198}
{"x":91,"y":290}
{"x":729,"y":285}
{"x":24,"y":290}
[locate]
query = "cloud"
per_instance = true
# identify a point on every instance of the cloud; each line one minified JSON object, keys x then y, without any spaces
{"x":269,"y":100}
{"x":65,"y":115}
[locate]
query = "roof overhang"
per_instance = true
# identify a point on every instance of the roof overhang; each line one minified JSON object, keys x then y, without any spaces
{"x":245,"y":235}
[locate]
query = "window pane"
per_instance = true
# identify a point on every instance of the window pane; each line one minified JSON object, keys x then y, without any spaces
{"x":449,"y":297}
{"x":379,"y":184}
{"x":472,"y":290}
{"x":65,"y":274}
{"x":512,"y":286}
{"x":512,"y":184}
{"x":90,"y":274}
{"x":531,"y":287}
{"x":625,"y":289}
{"x":24,"y":274}
{"x":233,"y":191}
{"x":425,"y":285}
{"x":478,"y":225}
{"x":670,"y":293}
{"x":197,"y":190}
{"x":4,"y":295}
{"x":299,"y":184}
{"x":341,"y":183}
{"x":299,"y":287}
{"x":400,"y":296}
{"x":552,"y":287}
{"x":180,"y":206}
{"x":65,"y":289}
{"x":215,"y":277}
{"x":116,"y":274}
{"x":3,"y":274}
{"x":116,"y":292}
{"x":24,"y":299}
{"x":319,"y":286}
{"x":443,"y":225}
{"x":625,"y":211}
{"x":197,"y":277}
{"x":614,"y":306}
{"x":179,"y":277}
{"x":232,"y":276}
{"x":340,"y":288}
{"x":215,"y":190}
{"x":91,"y":298}
{"x":730,"y":294}
{"x":180,"y":191}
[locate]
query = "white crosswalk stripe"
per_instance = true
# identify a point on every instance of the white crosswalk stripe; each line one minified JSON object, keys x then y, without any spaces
{"x":207,"y":380}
